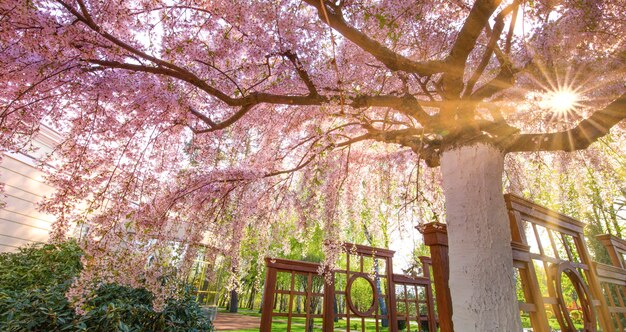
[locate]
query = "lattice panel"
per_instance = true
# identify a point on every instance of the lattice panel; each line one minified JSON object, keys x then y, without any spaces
{"x":555,"y":269}
{"x":613,"y":280}
{"x":615,"y":295}
{"x":412,"y":302}
{"x":362,"y":286}
{"x":298,"y":300}
{"x":361,"y":296}
{"x":295,"y":297}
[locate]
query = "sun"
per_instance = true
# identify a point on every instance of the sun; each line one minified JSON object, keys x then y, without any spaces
{"x":561,"y":101}
{"x":561,"y":92}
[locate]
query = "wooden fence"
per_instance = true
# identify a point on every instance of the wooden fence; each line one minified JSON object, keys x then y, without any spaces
{"x":557,"y":283}
{"x":298,"y":298}
{"x":549,"y":252}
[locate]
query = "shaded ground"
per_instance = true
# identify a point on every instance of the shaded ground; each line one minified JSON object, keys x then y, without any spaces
{"x":226,"y":321}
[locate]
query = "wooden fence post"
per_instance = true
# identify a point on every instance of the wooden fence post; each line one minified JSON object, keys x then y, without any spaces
{"x":436,"y":237}
{"x":268,"y":300}
{"x":329,"y":298}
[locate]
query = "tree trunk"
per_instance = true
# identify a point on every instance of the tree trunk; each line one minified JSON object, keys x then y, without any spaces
{"x":263,"y":300}
{"x":335,"y":309}
{"x":298,"y":310}
{"x":224,"y":300}
{"x":251,"y":298}
{"x":381,"y":300}
{"x":234,"y":301}
{"x":482,"y":285}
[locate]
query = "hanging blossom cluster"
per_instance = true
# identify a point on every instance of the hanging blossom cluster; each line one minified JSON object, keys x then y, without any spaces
{"x":186,"y":123}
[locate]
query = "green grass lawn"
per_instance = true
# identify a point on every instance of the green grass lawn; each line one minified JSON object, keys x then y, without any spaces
{"x":298,"y":323}
{"x":299,"y":326}
{"x":247,"y":312}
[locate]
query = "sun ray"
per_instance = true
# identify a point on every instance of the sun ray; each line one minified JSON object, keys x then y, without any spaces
{"x":561,"y":93}
{"x":561,"y":101}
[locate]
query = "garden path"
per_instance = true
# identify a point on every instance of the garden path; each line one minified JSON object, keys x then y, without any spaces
{"x":226,"y":321}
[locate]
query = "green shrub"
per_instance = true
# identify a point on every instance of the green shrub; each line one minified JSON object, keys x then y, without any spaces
{"x":40,"y":266}
{"x":33,"y":283}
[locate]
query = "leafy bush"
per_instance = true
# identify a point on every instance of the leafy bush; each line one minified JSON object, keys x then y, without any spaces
{"x":39,"y":266}
{"x":33,"y":283}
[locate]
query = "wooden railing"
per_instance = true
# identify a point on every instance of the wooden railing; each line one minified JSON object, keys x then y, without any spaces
{"x":547,"y":246}
{"x":414,"y":299}
{"x":395,"y":298}
{"x":295,"y":283}
{"x":613,"y":280}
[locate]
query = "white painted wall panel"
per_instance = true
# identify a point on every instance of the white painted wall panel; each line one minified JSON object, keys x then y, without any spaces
{"x":20,"y":174}
{"x":23,"y":231}
{"x":8,"y":243}
{"x":20,"y":220}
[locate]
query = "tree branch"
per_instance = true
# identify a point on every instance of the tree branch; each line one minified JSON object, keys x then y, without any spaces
{"x":202,"y":117}
{"x":495,"y":36}
{"x":413,"y":138}
{"x":87,"y":20}
{"x":223,"y":74}
{"x":502,"y":81}
{"x":406,"y":104}
{"x":304,"y":76}
{"x":577,"y":138}
{"x":225,"y":123}
{"x":389,"y":58}
{"x":184,"y":76}
{"x":464,"y":44}
{"x":253,"y":98}
{"x":409,"y":106}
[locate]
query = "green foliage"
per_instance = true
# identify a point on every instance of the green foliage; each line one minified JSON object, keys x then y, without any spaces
{"x":588,"y":186}
{"x":39,"y":266}
{"x":33,"y":283}
{"x":310,"y":250}
{"x":362,"y":294}
{"x":127,"y":309}
{"x":525,"y":320}
{"x":39,"y":309}
{"x":576,"y":316}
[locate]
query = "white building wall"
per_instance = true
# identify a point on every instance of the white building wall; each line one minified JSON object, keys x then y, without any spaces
{"x":20,"y":220}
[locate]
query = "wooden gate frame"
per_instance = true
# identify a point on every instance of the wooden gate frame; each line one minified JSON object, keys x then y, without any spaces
{"x":276,"y":265}
{"x":519,"y":210}
{"x":284,"y":265}
{"x":569,"y":231}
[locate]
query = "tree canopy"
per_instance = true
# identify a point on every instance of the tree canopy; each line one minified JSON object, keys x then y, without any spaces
{"x":186,"y":121}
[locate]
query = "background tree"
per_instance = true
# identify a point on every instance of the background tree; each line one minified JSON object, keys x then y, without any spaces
{"x":588,"y":185}
{"x":272,"y":98}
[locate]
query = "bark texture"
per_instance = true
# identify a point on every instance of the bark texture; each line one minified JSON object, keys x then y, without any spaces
{"x":482,"y":284}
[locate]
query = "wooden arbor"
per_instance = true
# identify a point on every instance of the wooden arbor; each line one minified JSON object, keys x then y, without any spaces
{"x":547,"y":247}
{"x":297,"y":296}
